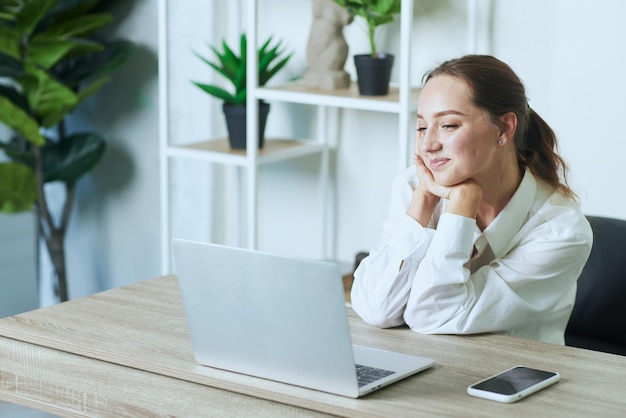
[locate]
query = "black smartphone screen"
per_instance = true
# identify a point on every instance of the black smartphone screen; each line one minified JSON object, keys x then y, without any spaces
{"x":514,"y":380}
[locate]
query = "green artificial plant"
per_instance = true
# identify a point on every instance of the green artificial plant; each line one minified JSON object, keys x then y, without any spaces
{"x":374,"y":12}
{"x":233,"y":68}
{"x":52,"y":57}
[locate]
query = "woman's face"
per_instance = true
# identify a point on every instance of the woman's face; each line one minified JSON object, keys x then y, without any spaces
{"x":456,"y":139}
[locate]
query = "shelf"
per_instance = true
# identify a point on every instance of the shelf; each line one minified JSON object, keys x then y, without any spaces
{"x":219,"y":151}
{"x":401,"y":101}
{"x":348,"y":98}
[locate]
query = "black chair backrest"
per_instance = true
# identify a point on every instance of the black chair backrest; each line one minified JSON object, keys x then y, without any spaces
{"x":598,"y":321}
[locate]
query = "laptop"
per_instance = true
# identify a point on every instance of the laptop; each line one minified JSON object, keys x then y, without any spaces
{"x":279,"y":318}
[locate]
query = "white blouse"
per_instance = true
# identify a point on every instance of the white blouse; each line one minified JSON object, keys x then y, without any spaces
{"x":520,"y":281}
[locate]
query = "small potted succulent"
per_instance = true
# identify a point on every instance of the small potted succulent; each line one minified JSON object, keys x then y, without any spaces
{"x":373,"y":69}
{"x":233,"y":67}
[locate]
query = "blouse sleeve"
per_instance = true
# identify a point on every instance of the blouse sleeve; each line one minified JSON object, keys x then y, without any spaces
{"x":511,"y":292}
{"x":382,"y":281}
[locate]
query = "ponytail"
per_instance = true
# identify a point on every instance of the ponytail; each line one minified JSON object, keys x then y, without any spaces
{"x":537,"y":149}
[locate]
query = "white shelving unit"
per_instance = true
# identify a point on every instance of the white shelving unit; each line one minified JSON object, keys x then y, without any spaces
{"x":401,"y":101}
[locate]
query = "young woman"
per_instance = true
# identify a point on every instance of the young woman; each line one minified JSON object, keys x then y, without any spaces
{"x":483,"y":233}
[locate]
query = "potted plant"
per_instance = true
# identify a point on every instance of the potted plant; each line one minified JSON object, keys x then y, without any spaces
{"x":52,"y":58}
{"x":373,"y":69}
{"x":233,"y":68}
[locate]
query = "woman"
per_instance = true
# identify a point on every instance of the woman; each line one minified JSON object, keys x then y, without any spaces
{"x":483,"y":233}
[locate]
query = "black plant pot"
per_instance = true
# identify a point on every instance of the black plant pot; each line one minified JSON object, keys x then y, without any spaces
{"x":236,"y":123}
{"x":373,"y":73}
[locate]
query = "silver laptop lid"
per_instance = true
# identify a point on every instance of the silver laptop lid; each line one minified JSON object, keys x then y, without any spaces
{"x":275,"y":317}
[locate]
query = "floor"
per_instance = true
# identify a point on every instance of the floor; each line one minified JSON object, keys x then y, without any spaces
{"x":16,"y":411}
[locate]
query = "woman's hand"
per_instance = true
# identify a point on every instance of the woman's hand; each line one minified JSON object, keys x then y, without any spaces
{"x":427,"y":181}
{"x":426,"y":195}
{"x":463,"y":198}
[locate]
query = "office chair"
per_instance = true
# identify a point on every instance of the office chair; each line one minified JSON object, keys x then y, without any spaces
{"x":598,"y":319}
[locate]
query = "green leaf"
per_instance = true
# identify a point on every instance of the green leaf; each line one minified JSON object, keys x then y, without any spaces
{"x":240,"y":79}
{"x":233,"y":68}
{"x":375,"y":13}
{"x":70,"y":159}
{"x":266,"y":57}
{"x":241,"y":97}
{"x":79,"y":26}
{"x":82,"y":47}
{"x":213,"y":65}
{"x":10,"y":42}
{"x":10,"y":67}
{"x":264,"y":47}
{"x":68,"y":9}
{"x":229,"y":66}
{"x":18,"y":188}
{"x":95,"y":65}
{"x":204,"y":59}
{"x":9,"y":9}
{"x":265,"y":76}
{"x":230,"y":62}
{"x":31,"y":14}
{"x":19,"y":150}
{"x":15,"y":96}
{"x":387,"y":7}
{"x":16,"y":118}
{"x":381,"y":20}
{"x":53,"y":118}
{"x":47,"y":96}
{"x":45,"y":53}
{"x":92,"y":88}
{"x":217,"y":92}
{"x":243,"y":50}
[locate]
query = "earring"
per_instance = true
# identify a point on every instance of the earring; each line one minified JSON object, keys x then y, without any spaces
{"x":500,"y":142}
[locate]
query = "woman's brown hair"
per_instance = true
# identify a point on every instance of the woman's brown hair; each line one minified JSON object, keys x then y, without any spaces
{"x":498,"y":90}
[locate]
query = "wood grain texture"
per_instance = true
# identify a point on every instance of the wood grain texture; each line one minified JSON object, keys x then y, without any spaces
{"x":143,"y":326}
{"x":69,"y":385}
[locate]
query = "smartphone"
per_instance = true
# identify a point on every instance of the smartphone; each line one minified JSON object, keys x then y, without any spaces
{"x":513,"y":384}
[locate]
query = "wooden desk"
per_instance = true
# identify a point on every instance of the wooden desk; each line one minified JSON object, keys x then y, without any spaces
{"x":126,"y":352}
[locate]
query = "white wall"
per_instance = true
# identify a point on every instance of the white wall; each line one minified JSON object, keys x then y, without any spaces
{"x":114,"y":236}
{"x":568,"y":54}
{"x":18,"y":288}
{"x":564,"y":51}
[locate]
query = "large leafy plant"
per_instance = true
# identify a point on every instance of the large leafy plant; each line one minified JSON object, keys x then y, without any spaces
{"x":375,"y":13}
{"x":233,"y":68}
{"x":52,"y":57}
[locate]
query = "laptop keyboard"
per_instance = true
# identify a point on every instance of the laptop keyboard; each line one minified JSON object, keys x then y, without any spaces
{"x":367,"y":374}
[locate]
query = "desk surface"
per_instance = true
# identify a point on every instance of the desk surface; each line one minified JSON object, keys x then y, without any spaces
{"x":143,"y":327}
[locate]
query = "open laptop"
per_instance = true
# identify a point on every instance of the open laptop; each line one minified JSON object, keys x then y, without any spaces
{"x":280,"y":318}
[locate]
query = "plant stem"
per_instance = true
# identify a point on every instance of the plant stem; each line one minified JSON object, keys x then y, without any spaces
{"x":53,"y":237}
{"x":371,"y":30}
{"x":56,"y":251}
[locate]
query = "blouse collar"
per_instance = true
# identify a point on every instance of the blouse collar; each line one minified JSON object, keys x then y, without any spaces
{"x":500,"y":232}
